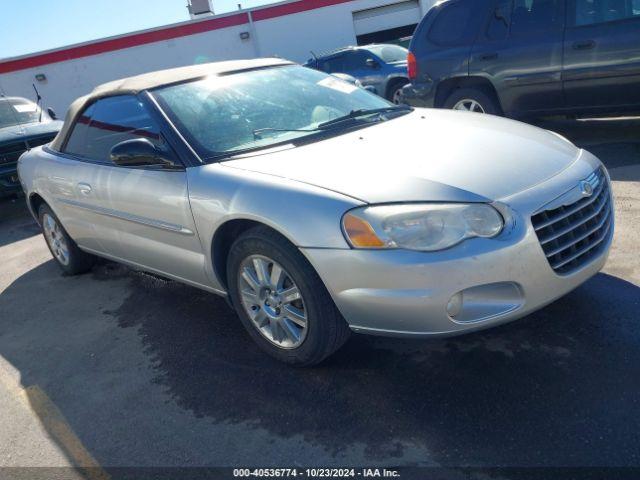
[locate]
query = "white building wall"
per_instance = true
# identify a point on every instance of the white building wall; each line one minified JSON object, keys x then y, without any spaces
{"x":68,"y":80}
{"x":294,"y":36}
{"x":291,"y":36}
{"x":386,"y":17}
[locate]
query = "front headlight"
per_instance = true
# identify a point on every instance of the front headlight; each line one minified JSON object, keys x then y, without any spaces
{"x":425,"y":227}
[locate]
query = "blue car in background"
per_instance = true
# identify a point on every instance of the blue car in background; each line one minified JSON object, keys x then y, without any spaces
{"x":381,"y":67}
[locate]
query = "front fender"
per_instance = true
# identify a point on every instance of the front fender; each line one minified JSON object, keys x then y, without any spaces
{"x":307,"y":215}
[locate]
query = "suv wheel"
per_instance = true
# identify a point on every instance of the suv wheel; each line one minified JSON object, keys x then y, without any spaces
{"x":65,"y":251}
{"x":472,"y":100}
{"x":281,"y":301}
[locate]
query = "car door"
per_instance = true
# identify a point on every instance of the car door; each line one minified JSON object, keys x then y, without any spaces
{"x":520,"y":52}
{"x":602,"y":54}
{"x":140,"y":215}
{"x":366,"y":67}
{"x":70,"y":175}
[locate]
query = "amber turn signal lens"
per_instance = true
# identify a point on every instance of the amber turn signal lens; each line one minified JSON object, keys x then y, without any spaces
{"x":360,"y":233}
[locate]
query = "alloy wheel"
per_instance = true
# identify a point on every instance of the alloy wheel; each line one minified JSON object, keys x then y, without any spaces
{"x":469,"y":105}
{"x":397,"y":96}
{"x":273,"y":301}
{"x":55,"y":238}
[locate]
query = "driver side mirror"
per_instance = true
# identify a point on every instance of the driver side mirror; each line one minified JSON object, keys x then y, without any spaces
{"x":372,"y":63}
{"x":139,"y":152}
{"x":52,"y":114}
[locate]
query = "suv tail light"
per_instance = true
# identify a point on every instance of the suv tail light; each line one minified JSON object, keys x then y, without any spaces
{"x":412,"y":66}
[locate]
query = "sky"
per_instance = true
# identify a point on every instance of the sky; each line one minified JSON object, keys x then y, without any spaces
{"x":28,"y":26}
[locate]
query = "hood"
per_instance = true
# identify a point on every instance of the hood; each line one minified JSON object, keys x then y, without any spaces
{"x":28,"y":130}
{"x":436,"y":155}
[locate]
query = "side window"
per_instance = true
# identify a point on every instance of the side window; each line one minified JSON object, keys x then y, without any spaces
{"x":590,"y":12}
{"x":453,"y":26}
{"x":500,"y":21}
{"x":334,"y":64}
{"x":535,"y":16}
{"x":108,"y":122}
{"x":355,"y":61}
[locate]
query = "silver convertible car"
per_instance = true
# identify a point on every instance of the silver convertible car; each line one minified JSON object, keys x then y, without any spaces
{"x":317,"y":207}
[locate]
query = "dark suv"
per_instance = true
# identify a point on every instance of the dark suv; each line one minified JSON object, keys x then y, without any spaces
{"x":22,"y":126}
{"x":528,"y":57}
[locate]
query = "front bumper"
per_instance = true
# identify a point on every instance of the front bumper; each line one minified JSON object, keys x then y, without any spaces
{"x":9,"y":183}
{"x":407,"y":293}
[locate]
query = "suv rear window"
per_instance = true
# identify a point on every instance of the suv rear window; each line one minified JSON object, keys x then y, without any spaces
{"x":453,"y":25}
{"x":589,"y":12}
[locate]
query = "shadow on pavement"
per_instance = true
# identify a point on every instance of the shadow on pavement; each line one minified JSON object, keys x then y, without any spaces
{"x":556,"y":388}
{"x":614,"y":141}
{"x":16,"y":222}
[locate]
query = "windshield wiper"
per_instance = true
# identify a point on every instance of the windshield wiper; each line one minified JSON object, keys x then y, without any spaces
{"x":257,"y":134}
{"x":355,"y":114}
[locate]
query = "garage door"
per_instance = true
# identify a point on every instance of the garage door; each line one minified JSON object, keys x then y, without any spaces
{"x":399,"y":15}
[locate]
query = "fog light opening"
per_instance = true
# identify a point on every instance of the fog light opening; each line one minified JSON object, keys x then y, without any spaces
{"x":454,"y":307}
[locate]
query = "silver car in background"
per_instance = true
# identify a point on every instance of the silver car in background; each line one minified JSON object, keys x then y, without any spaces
{"x":317,"y":207}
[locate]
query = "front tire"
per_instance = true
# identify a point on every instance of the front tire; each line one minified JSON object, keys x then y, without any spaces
{"x":472,"y":100}
{"x":281,"y":300}
{"x":65,"y":251}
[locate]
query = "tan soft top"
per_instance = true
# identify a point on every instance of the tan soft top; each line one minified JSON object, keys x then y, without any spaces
{"x":139,"y":83}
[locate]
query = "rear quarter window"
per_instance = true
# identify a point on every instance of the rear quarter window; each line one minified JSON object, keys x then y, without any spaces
{"x":593,"y":12}
{"x":334,"y":64}
{"x":453,"y":25}
{"x":76,"y":144}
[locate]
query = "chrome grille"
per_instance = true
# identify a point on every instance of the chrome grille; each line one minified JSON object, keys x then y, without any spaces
{"x":41,"y":140}
{"x":9,"y":153}
{"x":571,"y":235}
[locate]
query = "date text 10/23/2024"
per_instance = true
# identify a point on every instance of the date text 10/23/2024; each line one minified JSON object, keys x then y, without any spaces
{"x":315,"y":473}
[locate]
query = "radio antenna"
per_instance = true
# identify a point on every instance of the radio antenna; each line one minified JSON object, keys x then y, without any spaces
{"x":38,"y":101}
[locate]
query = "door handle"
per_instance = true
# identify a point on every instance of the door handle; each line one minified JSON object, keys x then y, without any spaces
{"x":488,"y":56}
{"x":584,"y":45}
{"x":84,"y":188}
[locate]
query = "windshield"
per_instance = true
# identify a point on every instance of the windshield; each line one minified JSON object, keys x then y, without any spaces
{"x":260,"y":108}
{"x":17,"y":111}
{"x":389,"y":53}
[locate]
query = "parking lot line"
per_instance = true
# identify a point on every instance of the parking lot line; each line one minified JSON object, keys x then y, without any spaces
{"x":35,"y":399}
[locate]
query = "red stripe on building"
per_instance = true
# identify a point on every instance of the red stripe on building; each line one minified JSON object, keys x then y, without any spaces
{"x":294,"y":7}
{"x":124,"y":42}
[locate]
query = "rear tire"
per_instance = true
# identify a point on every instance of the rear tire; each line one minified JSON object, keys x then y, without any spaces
{"x":474,"y":100}
{"x":65,"y":251}
{"x":300,"y":328}
{"x":393,"y":94}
